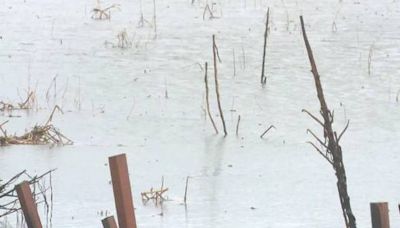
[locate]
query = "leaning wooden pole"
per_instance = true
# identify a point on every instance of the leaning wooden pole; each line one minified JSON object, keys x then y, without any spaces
{"x":333,"y":151}
{"x":28,"y":205}
{"x":109,"y":222}
{"x":380,"y":215}
{"x":122,"y":191}
{"x":215,"y":50}
{"x":208,"y":99}
{"x":263,"y":77}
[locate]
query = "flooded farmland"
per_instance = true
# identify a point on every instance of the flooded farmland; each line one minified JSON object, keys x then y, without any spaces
{"x":134,"y":83}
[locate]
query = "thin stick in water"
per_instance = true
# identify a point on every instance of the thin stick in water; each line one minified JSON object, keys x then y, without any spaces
{"x":155,"y":19}
{"x":234,"y":62}
{"x":237,"y":126}
{"x":265,"y":132}
{"x":207,"y":99}
{"x":263,"y":77}
{"x":186,"y":188}
{"x":215,"y":49}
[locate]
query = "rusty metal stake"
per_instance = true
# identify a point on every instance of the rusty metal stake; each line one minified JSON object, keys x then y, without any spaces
{"x":380,"y":215}
{"x":109,"y":222}
{"x":122,"y":191}
{"x":28,"y":205}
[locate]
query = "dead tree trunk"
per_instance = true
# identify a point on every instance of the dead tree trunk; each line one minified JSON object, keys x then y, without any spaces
{"x":332,"y":150}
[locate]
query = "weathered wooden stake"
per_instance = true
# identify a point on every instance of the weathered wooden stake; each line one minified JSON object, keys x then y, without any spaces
{"x":122,"y":191}
{"x":109,"y":222}
{"x":380,"y":215}
{"x":28,"y":205}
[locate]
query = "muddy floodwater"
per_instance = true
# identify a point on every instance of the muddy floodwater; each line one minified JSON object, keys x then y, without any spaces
{"x":147,"y":100}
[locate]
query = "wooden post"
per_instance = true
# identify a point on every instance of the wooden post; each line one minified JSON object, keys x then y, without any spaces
{"x":122,"y":191}
{"x":380,"y":215}
{"x":28,"y":205}
{"x":109,"y":222}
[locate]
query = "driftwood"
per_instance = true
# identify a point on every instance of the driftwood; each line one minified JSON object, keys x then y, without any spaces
{"x":39,"y":135}
{"x":331,"y":152}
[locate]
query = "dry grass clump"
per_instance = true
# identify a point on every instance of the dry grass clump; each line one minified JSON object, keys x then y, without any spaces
{"x":26,"y":105}
{"x":39,"y":135}
{"x":123,"y":40}
{"x":155,"y":195}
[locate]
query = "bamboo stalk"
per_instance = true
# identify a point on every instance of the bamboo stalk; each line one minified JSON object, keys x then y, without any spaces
{"x":216,"y":85}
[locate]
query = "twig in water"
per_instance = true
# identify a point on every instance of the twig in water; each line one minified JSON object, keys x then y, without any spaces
{"x":371,"y":50}
{"x":215,"y":50}
{"x":155,"y":195}
{"x":100,"y":14}
{"x":263,"y":77}
{"x":234,"y":62}
{"x":155,"y":19}
{"x":265,"y":132}
{"x":207,"y":98}
{"x":207,"y":8}
{"x":186,"y":188}
{"x":243,"y":58}
{"x":237,"y":126}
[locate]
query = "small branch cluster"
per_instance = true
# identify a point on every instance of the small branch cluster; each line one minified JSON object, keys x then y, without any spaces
{"x":210,"y":11}
{"x":8,"y":196}
{"x":103,"y":14}
{"x":154,"y":195}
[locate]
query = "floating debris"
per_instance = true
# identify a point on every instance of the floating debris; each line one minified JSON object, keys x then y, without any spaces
{"x":39,"y":135}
